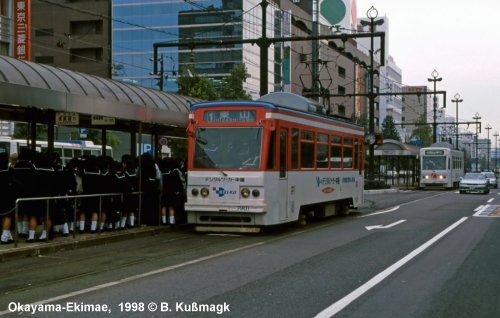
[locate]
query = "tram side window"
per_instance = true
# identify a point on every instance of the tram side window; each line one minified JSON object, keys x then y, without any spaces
{"x":322,"y":151}
{"x":336,"y":152}
{"x":348,"y":153}
{"x":283,"y":153}
{"x":272,"y":152}
{"x":307,"y":149}
{"x":295,"y":148}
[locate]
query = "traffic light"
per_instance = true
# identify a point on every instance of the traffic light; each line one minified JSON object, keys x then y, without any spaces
{"x":378,"y":139}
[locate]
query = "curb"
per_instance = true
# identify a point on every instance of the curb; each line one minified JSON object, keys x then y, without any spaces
{"x":82,"y":240}
{"x":381,"y":191}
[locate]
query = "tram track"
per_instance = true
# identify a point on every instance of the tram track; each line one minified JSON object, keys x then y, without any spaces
{"x":82,"y":270}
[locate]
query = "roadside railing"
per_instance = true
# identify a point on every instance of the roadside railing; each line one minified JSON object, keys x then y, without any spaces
{"x":76,"y":199}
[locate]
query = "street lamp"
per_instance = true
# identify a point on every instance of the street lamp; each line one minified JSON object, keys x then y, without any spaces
{"x":372,"y":14}
{"x":488,"y":127}
{"x":457,"y":100}
{"x":496,"y":150}
{"x":434,"y":79}
{"x":477,"y":118}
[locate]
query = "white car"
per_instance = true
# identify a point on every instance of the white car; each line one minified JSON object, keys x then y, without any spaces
{"x":474,"y":182}
{"x":492,"y":178}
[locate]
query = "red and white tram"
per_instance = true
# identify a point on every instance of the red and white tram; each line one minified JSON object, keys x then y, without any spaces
{"x":275,"y":160}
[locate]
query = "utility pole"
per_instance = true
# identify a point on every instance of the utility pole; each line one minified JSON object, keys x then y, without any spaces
{"x":372,"y":14}
{"x":496,"y":150}
{"x":477,"y":118}
{"x":456,"y":100}
{"x":434,"y":79}
{"x":488,"y":128}
{"x":315,"y":51}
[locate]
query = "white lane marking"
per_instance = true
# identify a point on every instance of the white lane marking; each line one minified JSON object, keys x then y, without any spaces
{"x":135,"y":277}
{"x":381,"y":212}
{"x":480,"y":210}
{"x":398,"y":206}
{"x":344,"y":302}
{"x":384,"y":226}
{"x":490,"y":200}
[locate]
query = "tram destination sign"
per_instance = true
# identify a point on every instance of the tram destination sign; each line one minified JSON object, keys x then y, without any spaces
{"x":229,"y":116}
{"x":434,"y":152}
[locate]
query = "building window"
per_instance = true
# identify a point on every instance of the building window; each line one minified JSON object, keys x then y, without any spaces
{"x":341,"y":72}
{"x":86,"y":55}
{"x":86,"y":27}
{"x":341,"y":90}
{"x":341,"y":110}
{"x":4,"y":48}
{"x":44,"y":32}
{"x":44,"y":59}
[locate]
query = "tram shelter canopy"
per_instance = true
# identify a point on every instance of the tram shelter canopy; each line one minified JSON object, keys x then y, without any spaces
{"x":35,"y":92}
{"x":397,"y":163}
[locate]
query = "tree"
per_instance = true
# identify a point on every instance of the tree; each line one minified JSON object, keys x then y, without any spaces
{"x":95,"y":135}
{"x":389,"y":130}
{"x":232,"y":87}
{"x":422,"y":132}
{"x":196,"y":86}
{"x":21,"y":131}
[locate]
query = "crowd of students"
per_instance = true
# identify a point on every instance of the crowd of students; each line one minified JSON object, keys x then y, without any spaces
{"x":110,"y":195}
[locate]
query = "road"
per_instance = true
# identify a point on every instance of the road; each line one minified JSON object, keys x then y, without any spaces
{"x":410,"y":254}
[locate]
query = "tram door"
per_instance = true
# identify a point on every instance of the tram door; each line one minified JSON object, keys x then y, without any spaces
{"x":283,"y":181}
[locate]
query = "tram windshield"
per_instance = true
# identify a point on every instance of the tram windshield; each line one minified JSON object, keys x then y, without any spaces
{"x":228,"y":148}
{"x":434,"y":163}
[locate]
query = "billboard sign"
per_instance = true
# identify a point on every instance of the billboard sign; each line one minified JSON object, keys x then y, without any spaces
{"x":22,"y":29}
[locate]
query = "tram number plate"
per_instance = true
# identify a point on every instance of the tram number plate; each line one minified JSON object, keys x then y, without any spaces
{"x":243,"y":208}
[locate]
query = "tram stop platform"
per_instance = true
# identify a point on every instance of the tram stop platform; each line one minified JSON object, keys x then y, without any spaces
{"x":60,"y":243}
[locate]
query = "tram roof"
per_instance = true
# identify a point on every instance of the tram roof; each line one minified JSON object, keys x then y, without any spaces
{"x":29,"y":84}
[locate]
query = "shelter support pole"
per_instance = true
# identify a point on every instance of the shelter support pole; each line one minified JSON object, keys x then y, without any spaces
{"x":32,"y":134}
{"x":103,"y":141}
{"x":133,"y":140}
{"x":50,"y":133}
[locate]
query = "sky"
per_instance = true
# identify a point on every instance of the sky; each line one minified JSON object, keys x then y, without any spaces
{"x":460,"y":39}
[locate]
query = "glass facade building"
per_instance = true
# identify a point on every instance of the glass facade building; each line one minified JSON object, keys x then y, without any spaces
{"x":137,"y":25}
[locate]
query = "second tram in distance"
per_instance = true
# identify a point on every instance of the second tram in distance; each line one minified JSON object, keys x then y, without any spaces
{"x":441,"y":166}
{"x":275,"y":160}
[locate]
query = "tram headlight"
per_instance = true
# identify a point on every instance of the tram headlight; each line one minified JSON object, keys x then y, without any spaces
{"x":245,"y":192}
{"x":204,"y":192}
{"x":195,"y":192}
{"x":255,"y":193}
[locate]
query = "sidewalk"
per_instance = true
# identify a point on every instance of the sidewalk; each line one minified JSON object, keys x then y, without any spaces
{"x":23,"y":249}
